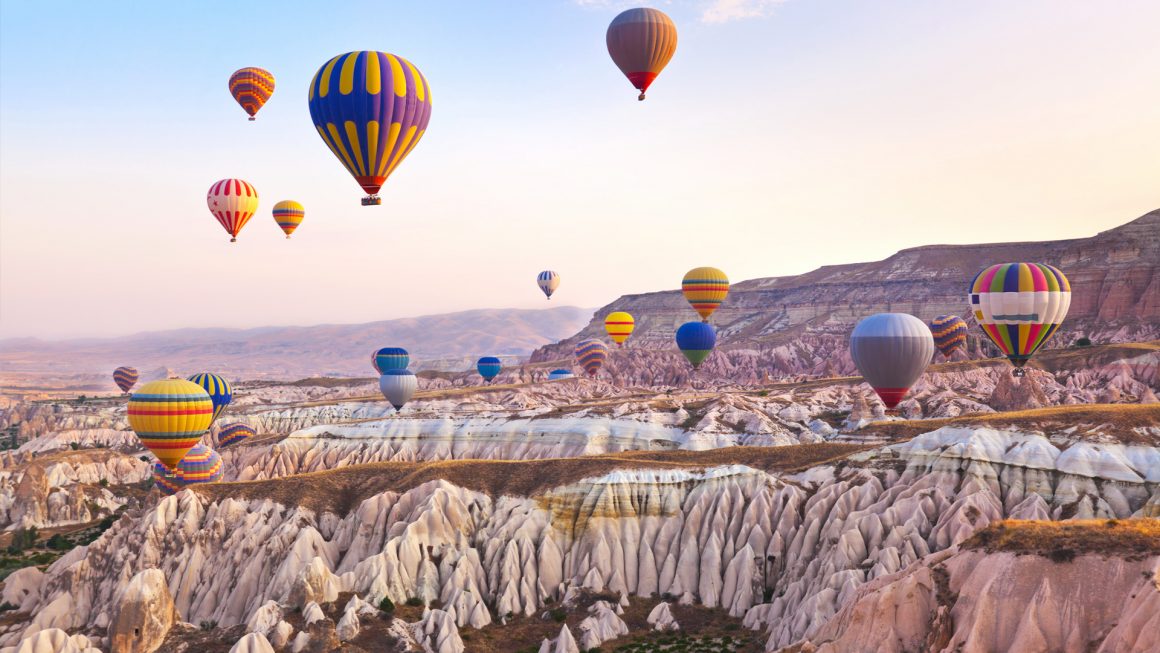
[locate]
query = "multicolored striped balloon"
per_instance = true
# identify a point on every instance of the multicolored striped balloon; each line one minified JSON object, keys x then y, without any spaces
{"x":289,"y":214}
{"x":556,"y":375}
{"x":232,"y":434}
{"x":125,"y":378}
{"x":950,"y":333}
{"x":591,"y":355}
{"x":219,"y":390}
{"x":489,"y":367}
{"x":1020,"y":306}
{"x":166,"y":480}
{"x":398,"y":386}
{"x":200,"y":465}
{"x":233,"y":202}
{"x":619,"y":326}
{"x":170,"y":417}
{"x":390,"y":358}
{"x":548,"y":281}
{"x":891,"y":350}
{"x":696,"y":341}
{"x":371,"y":109}
{"x":705,"y":289}
{"x":641,"y":41}
{"x":251,"y":88}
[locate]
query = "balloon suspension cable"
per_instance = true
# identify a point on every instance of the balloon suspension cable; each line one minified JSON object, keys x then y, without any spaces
{"x":640,"y":97}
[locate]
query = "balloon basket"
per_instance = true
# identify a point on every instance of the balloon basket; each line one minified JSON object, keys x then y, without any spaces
{"x":1019,"y":372}
{"x":252,"y":119}
{"x":372,"y":200}
{"x":640,"y":98}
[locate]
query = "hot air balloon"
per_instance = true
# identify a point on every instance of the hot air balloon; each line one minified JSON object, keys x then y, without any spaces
{"x":390,"y":358}
{"x":371,"y":109}
{"x":619,"y":326}
{"x":170,"y":417}
{"x":696,"y":341}
{"x":233,"y":202}
{"x":705,"y":289}
{"x":1019,"y":306}
{"x":125,"y":378}
{"x":489,"y":367}
{"x":218,"y":389}
{"x":289,"y":214}
{"x":548,"y":281}
{"x":251,"y":88}
{"x":232,"y":434}
{"x":891,"y":351}
{"x":557,"y":375}
{"x":200,"y":465}
{"x":950,"y":333}
{"x":398,"y":386}
{"x":166,"y":480}
{"x":641,"y":41}
{"x":591,"y":354}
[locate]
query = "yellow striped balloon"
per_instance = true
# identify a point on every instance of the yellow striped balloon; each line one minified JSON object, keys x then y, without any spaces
{"x":705,"y":289}
{"x":170,"y":417}
{"x":619,"y":326}
{"x":289,"y":214}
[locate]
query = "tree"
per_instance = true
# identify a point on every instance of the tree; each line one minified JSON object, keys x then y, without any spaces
{"x":1083,"y":342}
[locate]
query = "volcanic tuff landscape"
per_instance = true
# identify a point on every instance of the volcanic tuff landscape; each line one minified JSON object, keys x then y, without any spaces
{"x":767,"y":504}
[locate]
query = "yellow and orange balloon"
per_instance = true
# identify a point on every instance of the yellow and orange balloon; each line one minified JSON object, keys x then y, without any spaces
{"x":705,"y":289}
{"x":619,"y":326}
{"x":289,"y":214}
{"x":169,"y":417}
{"x":251,"y":88}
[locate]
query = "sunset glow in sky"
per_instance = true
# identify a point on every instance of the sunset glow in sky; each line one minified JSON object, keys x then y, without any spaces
{"x":783,"y":136}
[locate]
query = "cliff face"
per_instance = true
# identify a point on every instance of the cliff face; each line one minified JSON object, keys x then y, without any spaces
{"x":798,"y":325}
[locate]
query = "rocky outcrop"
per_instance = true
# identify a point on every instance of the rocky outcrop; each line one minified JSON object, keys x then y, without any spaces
{"x":144,"y":614}
{"x":53,"y":640}
{"x":661,"y":618}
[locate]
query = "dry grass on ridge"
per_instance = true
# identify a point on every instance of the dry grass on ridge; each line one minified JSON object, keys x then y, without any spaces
{"x":1061,"y":540}
{"x":1120,"y":417}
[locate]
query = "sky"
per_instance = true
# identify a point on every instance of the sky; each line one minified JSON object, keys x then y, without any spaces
{"x":783,"y":136}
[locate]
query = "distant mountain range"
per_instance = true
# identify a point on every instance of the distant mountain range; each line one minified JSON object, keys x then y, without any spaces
{"x":788,"y":326}
{"x":440,"y":342}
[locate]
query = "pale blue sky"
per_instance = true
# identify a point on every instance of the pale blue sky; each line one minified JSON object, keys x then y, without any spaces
{"x":782,"y":137}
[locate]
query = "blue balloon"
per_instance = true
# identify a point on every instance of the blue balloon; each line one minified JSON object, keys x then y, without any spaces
{"x":696,"y":340}
{"x":390,"y":358}
{"x":489,"y":367}
{"x":556,"y":375}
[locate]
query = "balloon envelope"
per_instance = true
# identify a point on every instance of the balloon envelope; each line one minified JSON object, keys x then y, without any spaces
{"x":705,"y":289}
{"x":1020,"y":306}
{"x":289,"y":214}
{"x":232,"y":434}
{"x":390,"y":358}
{"x":200,"y":465}
{"x":371,"y":109}
{"x":125,"y":378}
{"x":591,"y":355}
{"x":891,"y":351}
{"x":548,"y":281}
{"x":696,"y":341}
{"x":619,"y":326}
{"x":170,"y":417}
{"x":556,"y":375}
{"x":641,"y":42}
{"x":950,"y":333}
{"x":489,"y":367}
{"x":233,"y":202}
{"x":219,"y":390}
{"x":251,"y":88}
{"x":398,"y":386}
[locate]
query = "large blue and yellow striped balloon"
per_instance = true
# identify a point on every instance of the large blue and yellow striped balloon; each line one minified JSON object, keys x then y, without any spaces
{"x":950,"y":333}
{"x":234,"y":434}
{"x":219,"y":390}
{"x":371,"y":109}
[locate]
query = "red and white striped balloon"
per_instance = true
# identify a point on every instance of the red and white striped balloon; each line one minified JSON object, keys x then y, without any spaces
{"x":233,"y":202}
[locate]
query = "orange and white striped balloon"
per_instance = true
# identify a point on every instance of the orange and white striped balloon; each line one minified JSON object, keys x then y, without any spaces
{"x":233,"y":202}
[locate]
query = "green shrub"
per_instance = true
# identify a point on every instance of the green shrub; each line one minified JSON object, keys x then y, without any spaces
{"x":59,"y":542}
{"x":1083,"y":342}
{"x":208,"y":625}
{"x":559,"y":615}
{"x":7,"y":607}
{"x":74,"y":445}
{"x":415,"y":602}
{"x":387,"y":605}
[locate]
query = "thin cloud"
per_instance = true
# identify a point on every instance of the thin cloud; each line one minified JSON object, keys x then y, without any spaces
{"x":724,"y":11}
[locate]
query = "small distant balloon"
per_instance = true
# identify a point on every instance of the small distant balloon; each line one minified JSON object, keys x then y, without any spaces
{"x":125,"y":378}
{"x":591,"y":354}
{"x":232,"y":434}
{"x":489,"y":367}
{"x":398,"y":386}
{"x":233,"y":202}
{"x":1020,"y":306}
{"x":891,"y":350}
{"x":641,"y":42}
{"x":169,"y":417}
{"x":705,"y":289}
{"x":288,"y":214}
{"x":559,"y":374}
{"x":696,"y":341}
{"x":548,"y":281}
{"x":390,"y":358}
{"x":251,"y":88}
{"x":218,"y":389}
{"x":950,"y":333}
{"x":619,"y":326}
